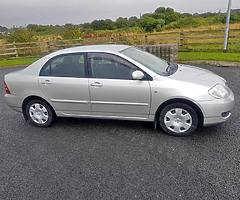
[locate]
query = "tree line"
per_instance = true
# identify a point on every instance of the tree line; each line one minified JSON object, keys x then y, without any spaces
{"x":161,"y":19}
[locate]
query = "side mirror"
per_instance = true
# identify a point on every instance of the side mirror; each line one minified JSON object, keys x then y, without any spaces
{"x":138,"y":75}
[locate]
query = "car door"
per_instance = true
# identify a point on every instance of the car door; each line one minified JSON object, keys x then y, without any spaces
{"x":63,"y":80}
{"x":112,"y":89}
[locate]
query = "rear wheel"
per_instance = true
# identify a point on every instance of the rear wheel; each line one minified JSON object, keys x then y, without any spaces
{"x":178,"y":119}
{"x":39,"y":113}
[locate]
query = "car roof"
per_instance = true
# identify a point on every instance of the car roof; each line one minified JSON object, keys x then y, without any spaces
{"x":91,"y":48}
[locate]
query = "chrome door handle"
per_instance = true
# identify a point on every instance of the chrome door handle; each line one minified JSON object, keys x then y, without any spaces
{"x":96,"y":84}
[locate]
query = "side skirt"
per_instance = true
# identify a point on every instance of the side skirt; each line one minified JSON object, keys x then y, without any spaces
{"x":129,"y":118}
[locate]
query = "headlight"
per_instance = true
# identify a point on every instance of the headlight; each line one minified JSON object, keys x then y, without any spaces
{"x":219,"y":92}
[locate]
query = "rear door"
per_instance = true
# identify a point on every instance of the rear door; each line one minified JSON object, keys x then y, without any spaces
{"x":64,"y":82}
{"x":112,"y":89}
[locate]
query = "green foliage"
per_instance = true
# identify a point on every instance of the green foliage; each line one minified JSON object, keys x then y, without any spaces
{"x":45,"y":29}
{"x":173,"y":25}
{"x":21,"y":35}
{"x":220,"y":18}
{"x":191,"y":22}
{"x":162,"y":18}
{"x":160,"y":25}
{"x":160,"y":10}
{"x":150,"y":24}
{"x":122,"y":22}
{"x":235,"y":17}
{"x":72,"y":33}
{"x":107,"y":24}
{"x":133,"y":21}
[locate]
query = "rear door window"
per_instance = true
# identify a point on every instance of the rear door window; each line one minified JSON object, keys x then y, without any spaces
{"x":69,"y":65}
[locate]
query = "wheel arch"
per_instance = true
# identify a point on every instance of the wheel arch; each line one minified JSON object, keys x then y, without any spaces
{"x":34,"y":97}
{"x":185,"y":101}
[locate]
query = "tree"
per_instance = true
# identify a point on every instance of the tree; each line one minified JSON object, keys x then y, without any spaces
{"x":122,"y":22}
{"x":167,"y":14}
{"x":32,"y":27}
{"x":150,"y":23}
{"x":3,"y":29}
{"x":97,"y":24}
{"x":164,"y":10}
{"x":160,"y":10}
{"x":170,"y":10}
{"x":171,"y":17}
{"x":133,"y":21}
{"x":107,"y":24}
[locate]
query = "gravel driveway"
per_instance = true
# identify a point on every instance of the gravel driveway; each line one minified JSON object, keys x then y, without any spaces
{"x":96,"y":159}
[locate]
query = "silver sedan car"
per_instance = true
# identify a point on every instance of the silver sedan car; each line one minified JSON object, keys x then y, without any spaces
{"x":118,"y":82}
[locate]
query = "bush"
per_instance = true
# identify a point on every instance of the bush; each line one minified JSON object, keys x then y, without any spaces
{"x":173,"y":25}
{"x":71,"y":33}
{"x":21,"y":35}
{"x":160,"y":25}
{"x":150,"y":24}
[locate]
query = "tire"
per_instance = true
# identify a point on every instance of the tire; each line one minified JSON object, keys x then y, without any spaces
{"x":39,"y":113}
{"x":178,"y":119}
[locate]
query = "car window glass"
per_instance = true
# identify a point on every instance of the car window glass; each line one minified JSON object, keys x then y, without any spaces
{"x":148,"y":60}
{"x":106,"y":66}
{"x":72,"y":65}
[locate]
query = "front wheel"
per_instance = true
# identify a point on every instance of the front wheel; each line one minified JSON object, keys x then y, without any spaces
{"x":178,"y":119}
{"x":39,"y":113}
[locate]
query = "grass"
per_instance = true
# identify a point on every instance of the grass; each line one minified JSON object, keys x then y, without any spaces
{"x":17,"y":61}
{"x":212,"y":56}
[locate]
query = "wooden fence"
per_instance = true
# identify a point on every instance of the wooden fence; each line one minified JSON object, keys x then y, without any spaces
{"x":35,"y":48}
{"x":202,"y":40}
{"x":168,"y":52}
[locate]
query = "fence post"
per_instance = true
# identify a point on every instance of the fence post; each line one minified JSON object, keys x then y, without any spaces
{"x":182,"y":39}
{"x":146,"y":39}
{"x":15,"y":49}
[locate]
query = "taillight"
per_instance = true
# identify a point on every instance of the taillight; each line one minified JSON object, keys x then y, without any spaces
{"x":6,"y":89}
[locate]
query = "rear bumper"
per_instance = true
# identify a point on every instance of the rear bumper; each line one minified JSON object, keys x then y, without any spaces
{"x":217,"y":111}
{"x":13,"y":102}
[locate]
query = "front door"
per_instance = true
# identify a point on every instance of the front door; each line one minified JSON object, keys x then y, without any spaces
{"x":65,"y":84}
{"x":113,"y":91}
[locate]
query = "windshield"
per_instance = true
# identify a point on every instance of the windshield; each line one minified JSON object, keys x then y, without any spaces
{"x":150,"y":61}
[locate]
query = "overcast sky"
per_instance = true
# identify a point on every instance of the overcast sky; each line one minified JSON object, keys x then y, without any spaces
{"x":23,"y":12}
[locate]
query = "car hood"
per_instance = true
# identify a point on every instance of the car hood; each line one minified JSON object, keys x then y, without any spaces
{"x":197,"y":75}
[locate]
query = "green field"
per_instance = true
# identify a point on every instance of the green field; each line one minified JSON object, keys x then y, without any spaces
{"x":17,"y":61}
{"x":211,"y":56}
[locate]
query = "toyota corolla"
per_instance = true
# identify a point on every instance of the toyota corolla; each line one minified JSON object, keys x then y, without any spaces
{"x":118,"y":82}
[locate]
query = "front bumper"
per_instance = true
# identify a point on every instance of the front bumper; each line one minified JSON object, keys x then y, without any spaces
{"x":217,"y":111}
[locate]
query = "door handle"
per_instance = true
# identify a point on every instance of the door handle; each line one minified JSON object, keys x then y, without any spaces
{"x":96,"y":84}
{"x":47,"y":82}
